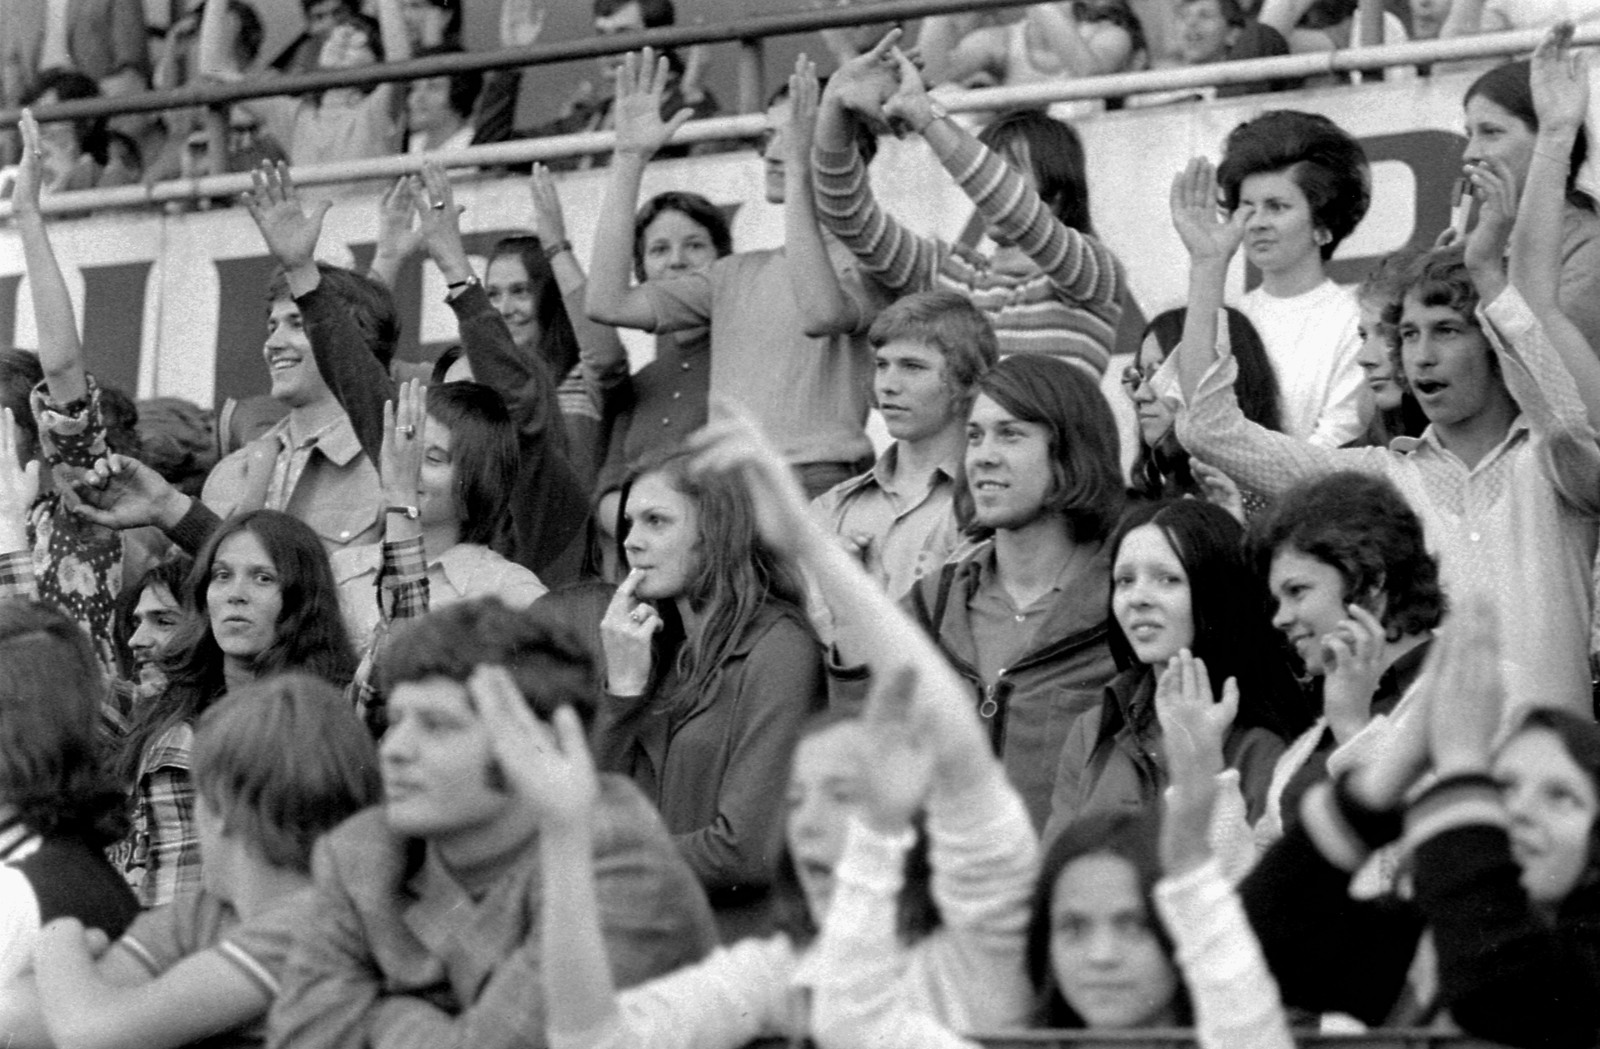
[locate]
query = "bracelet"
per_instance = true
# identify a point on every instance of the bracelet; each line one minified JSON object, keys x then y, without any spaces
{"x":453,"y":285}
{"x":556,"y":249}
{"x":410,"y":513}
{"x":936,"y":111}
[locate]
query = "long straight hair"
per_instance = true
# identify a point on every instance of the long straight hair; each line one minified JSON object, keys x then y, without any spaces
{"x":736,"y":578}
{"x":310,"y":637}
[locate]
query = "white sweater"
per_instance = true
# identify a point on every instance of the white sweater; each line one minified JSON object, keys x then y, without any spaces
{"x":1312,"y":343}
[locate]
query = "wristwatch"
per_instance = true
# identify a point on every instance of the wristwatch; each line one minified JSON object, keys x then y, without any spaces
{"x":410,"y":513}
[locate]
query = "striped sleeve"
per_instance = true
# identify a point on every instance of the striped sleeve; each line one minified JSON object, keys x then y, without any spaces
{"x":900,"y":260}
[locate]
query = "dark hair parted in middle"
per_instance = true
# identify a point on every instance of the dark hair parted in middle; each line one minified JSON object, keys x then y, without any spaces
{"x":1085,"y":457}
{"x":1055,"y":153}
{"x":484,"y":452}
{"x":1361,"y":526}
{"x":1327,"y":164}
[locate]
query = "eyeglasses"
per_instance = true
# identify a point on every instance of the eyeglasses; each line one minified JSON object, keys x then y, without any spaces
{"x":1134,"y":377}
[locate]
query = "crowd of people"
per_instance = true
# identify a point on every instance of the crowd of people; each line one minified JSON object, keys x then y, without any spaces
{"x":64,"y":50}
{"x":492,"y":711}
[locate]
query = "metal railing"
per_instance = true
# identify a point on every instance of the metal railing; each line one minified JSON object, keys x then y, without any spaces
{"x":523,"y":151}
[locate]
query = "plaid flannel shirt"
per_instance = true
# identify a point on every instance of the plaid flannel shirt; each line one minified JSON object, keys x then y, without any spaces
{"x":402,"y":595}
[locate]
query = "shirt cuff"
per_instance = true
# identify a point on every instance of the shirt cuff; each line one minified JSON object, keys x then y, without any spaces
{"x":874,"y":861}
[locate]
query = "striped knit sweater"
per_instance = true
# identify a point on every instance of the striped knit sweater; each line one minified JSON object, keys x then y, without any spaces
{"x":1067,"y":305}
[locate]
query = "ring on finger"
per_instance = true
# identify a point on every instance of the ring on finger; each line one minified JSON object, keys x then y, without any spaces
{"x":437,"y":205}
{"x":407,"y":431}
{"x":638,"y":615}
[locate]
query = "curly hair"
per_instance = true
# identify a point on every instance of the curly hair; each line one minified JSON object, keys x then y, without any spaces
{"x":1361,"y":526}
{"x":1328,"y":165}
{"x":692,"y":206}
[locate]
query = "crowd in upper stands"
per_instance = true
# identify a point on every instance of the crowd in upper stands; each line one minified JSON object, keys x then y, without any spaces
{"x":63,"y":50}
{"x":553,"y":702}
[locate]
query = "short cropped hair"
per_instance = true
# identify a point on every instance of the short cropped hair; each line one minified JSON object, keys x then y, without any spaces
{"x":692,"y":206}
{"x":20,"y":372}
{"x":1363,"y":528}
{"x":484,"y":450}
{"x":656,"y":13}
{"x":1085,"y":456}
{"x":52,"y":772}
{"x":464,"y":86}
{"x":283,"y":761}
{"x":948,"y":322}
{"x":367,"y":302}
{"x":1328,"y":165}
{"x":547,"y":659}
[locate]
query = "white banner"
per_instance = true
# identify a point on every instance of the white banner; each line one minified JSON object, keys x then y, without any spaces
{"x":175,"y":304}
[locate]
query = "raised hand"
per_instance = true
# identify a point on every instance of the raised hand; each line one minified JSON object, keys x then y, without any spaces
{"x":1355,"y":655}
{"x":1197,"y":215}
{"x":864,"y":83}
{"x":1469,"y":693}
{"x":804,"y":93}
{"x":289,"y":230}
{"x":547,"y":764}
{"x":899,"y":758}
{"x":1495,"y":186}
{"x":19,"y":487}
{"x":398,"y":238}
{"x":549,"y":221}
{"x":405,"y":435}
{"x":121,"y":492}
{"x":732,"y":443}
{"x":439,"y":222}
{"x":910,"y":104}
{"x":1559,"y":77}
{"x":29,"y":181}
{"x":636,"y":105}
{"x":1192,"y":730}
{"x":1219,"y":489}
{"x":626,"y":631}
{"x":521,"y":23}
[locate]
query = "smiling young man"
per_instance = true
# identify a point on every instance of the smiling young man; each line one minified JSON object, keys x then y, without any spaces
{"x":425,"y":928}
{"x":1022,"y":615}
{"x":929,"y":349}
{"x":1506,"y":478}
{"x":311,"y":463}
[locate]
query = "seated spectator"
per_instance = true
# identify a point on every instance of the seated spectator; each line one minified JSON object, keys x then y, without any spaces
{"x":1052,"y":287}
{"x":1162,"y":469}
{"x":1500,"y":845}
{"x":1356,"y":595}
{"x":300,"y":55}
{"x":58,"y":806}
{"x":1303,"y":186}
{"x":211,"y":960}
{"x":1503,"y":124}
{"x":853,"y":788}
{"x":1219,"y":31}
{"x":1022,"y":614}
{"x":104,"y":40}
{"x":341,"y":123}
{"x":592,"y":107}
{"x":675,"y":234}
{"x":439,"y":108}
{"x":1183,"y":607}
{"x":1395,"y":412}
{"x":1492,"y":377}
{"x":432,"y":24}
{"x":899,"y":517}
{"x":788,"y":325}
{"x":1052,"y":41}
{"x":1428,"y":18}
{"x":264,"y":602}
{"x":515,"y":335}
{"x":311,"y":464}
{"x":150,"y":613}
{"x":1467,"y":17}
{"x":711,"y":668}
{"x":459,"y":845}
{"x":76,"y":153}
{"x":1323,"y":25}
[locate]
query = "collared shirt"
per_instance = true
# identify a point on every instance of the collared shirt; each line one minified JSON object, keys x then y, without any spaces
{"x":160,"y":858}
{"x":464,"y":571}
{"x":327,"y":482}
{"x":911,"y":520}
{"x":1519,"y":526}
{"x":1001,"y":630}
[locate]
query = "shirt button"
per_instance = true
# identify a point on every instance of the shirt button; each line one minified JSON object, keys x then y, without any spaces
{"x":344,"y":535}
{"x":684,"y":365}
{"x":1474,"y":537}
{"x":1021,"y":618}
{"x":987,"y":708}
{"x":676,"y":394}
{"x":666,"y":422}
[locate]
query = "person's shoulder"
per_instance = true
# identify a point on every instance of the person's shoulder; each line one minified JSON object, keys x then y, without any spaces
{"x":365,"y":840}
{"x":478,"y":571}
{"x":626,"y":820}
